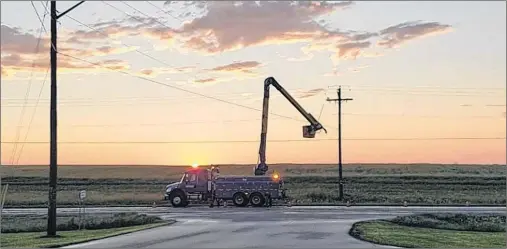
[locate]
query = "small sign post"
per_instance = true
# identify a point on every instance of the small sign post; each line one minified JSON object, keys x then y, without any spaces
{"x":82,"y":196}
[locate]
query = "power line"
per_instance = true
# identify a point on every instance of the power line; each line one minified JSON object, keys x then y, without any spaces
{"x":155,"y":124}
{"x":166,"y":12}
{"x":32,"y":118}
{"x":38,"y":16}
{"x":40,"y":90}
{"x":122,"y":43}
{"x":25,"y":102}
{"x":135,"y":9}
{"x":271,"y":141}
{"x":178,"y":88}
{"x":417,"y":87}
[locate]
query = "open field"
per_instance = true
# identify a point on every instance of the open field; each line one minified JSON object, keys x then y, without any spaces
{"x":169,"y":172}
{"x":421,"y":184}
{"x":435,"y":231}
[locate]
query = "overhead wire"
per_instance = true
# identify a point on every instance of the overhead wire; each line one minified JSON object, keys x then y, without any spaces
{"x":38,"y":96}
{"x":28,"y":89}
{"x":176,"y":87}
{"x":8,"y":102}
{"x":122,"y":43}
{"x":156,"y":124}
{"x":161,"y":83}
{"x":271,"y":141}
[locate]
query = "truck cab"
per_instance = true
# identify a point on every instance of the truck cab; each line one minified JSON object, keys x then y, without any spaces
{"x":195,"y":184}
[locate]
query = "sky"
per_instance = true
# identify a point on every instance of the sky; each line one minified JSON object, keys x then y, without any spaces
{"x":176,"y":83}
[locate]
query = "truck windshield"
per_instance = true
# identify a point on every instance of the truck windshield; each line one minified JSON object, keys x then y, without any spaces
{"x":188,"y":177}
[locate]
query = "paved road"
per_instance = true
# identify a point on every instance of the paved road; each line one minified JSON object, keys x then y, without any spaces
{"x":277,"y":227}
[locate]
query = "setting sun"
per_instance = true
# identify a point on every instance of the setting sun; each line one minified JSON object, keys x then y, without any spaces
{"x":195,"y":165}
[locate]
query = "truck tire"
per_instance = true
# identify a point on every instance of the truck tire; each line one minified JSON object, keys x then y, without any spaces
{"x":257,"y":200}
{"x":178,"y":199}
{"x":240,"y":200}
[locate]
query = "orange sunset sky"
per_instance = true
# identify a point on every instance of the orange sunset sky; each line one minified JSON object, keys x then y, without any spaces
{"x":426,"y":78}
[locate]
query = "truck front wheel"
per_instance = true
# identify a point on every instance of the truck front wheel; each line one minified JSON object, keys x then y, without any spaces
{"x":178,"y":199}
{"x":240,"y":200}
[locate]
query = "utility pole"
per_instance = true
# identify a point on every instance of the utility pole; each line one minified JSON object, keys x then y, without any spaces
{"x":53,"y":163}
{"x":340,"y":177}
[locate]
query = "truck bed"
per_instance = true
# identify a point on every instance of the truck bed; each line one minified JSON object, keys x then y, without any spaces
{"x":227,"y":186}
{"x":239,"y":178}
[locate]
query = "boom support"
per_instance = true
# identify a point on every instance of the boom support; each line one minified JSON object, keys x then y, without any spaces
{"x":308,"y":130}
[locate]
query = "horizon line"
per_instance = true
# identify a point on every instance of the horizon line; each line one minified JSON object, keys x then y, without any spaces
{"x":273,"y":164}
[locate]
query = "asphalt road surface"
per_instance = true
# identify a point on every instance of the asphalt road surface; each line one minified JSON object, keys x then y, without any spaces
{"x":276,"y":227}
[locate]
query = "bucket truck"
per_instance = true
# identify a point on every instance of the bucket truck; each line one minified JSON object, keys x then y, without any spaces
{"x":207,"y":186}
{"x":308,"y":130}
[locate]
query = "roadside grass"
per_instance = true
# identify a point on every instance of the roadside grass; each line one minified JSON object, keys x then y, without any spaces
{"x":435,"y":231}
{"x":418,"y":184}
{"x":69,"y":222}
{"x":65,"y":238}
{"x":453,"y":221}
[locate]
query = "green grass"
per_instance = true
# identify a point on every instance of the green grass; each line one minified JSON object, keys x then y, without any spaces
{"x":68,"y":222}
{"x":34,"y":239}
{"x":435,"y":231}
{"x":458,"y":222}
{"x":418,"y":184}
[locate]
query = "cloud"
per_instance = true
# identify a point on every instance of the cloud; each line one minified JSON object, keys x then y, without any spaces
{"x":4,"y":73}
{"x":223,"y":26}
{"x":398,"y":34}
{"x":228,"y":26}
{"x":238,"y":67}
{"x":213,"y":27}
{"x":15,"y":63}
{"x":351,"y":49}
{"x":358,"y":68}
{"x":22,"y":52}
{"x":129,"y":26}
{"x":147,"y":71}
{"x":155,"y":71}
{"x":14,"y":41}
{"x":207,"y":80}
{"x":334,"y":72}
{"x":310,"y":93}
{"x":305,"y":57}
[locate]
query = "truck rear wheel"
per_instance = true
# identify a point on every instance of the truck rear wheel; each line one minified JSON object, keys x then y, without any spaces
{"x":178,"y":199}
{"x":240,"y":200}
{"x":257,"y":200}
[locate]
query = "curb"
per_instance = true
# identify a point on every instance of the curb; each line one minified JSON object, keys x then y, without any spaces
{"x":166,"y":223}
{"x":356,"y":236}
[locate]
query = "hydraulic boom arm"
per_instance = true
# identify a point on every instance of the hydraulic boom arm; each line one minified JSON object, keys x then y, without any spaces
{"x":308,"y":130}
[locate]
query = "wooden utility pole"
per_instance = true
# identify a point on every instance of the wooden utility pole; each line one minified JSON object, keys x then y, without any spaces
{"x":340,"y":176}
{"x":53,"y":166}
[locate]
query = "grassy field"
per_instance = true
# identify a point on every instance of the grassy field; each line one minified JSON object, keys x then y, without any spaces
{"x":37,"y":239}
{"x":308,"y":184}
{"x":435,"y":231}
